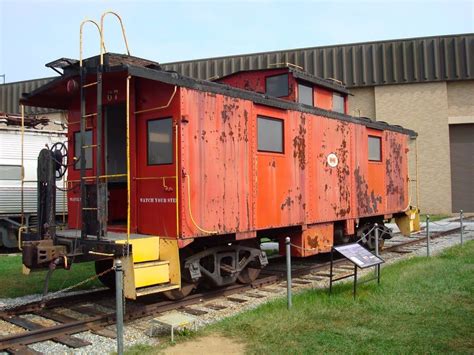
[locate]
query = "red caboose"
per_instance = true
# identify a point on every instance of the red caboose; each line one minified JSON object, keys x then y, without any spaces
{"x":180,"y":177}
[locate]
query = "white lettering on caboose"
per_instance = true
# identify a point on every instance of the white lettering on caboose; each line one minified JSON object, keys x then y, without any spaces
{"x":157,"y":200}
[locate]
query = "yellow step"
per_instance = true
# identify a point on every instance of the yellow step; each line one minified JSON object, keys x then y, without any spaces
{"x":144,"y":249}
{"x":151,"y":273}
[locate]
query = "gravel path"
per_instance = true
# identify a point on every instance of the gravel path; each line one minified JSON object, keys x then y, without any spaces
{"x":138,"y":332}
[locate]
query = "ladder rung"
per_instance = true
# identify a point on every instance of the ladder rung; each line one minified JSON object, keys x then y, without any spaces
{"x":89,"y":208}
{"x":90,"y":84}
{"x":90,"y":146}
{"x":89,"y":115}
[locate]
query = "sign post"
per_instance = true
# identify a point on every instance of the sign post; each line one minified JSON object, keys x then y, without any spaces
{"x":360,"y":257}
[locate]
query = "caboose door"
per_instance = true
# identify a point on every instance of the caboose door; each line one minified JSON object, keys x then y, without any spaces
{"x":156,"y":197}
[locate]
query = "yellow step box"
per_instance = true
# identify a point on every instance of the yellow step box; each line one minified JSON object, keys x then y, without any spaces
{"x":409,"y":222}
{"x":144,"y":249}
{"x":151,"y":273}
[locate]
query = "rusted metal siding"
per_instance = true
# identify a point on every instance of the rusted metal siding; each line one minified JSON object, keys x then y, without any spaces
{"x":11,"y":93}
{"x":415,"y":60}
{"x":216,"y":159}
{"x":235,"y":188}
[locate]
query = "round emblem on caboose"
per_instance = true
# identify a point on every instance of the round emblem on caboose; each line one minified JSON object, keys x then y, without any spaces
{"x":332,"y":160}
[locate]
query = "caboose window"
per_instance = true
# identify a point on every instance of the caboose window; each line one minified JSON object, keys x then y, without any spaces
{"x":375,"y":148}
{"x":276,"y":85}
{"x":337,"y":102}
{"x":305,"y":94}
{"x":160,"y":142}
{"x":77,"y":149}
{"x":270,"y":135}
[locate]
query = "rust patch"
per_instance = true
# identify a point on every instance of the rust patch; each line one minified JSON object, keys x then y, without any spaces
{"x":343,"y":173}
{"x":393,"y":169}
{"x":288,"y":202}
{"x":299,"y":144}
{"x":229,"y":109}
{"x":246,"y":118}
{"x":313,"y":242}
{"x":362,"y":190}
{"x":375,"y":200}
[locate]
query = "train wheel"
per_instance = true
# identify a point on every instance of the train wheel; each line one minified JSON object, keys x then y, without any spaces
{"x":371,"y":242}
{"x":107,"y":279}
{"x":248,"y":275}
{"x":177,"y":294}
{"x":9,"y":237}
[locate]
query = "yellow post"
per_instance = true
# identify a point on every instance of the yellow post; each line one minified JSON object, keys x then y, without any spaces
{"x":22,"y":166}
{"x":127,"y":108}
{"x":176,"y":179}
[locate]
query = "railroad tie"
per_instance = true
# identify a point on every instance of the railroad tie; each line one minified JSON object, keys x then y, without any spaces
{"x":215,"y":307}
{"x":192,"y":311}
{"x":236,"y":299}
{"x":88,"y":310}
{"x":254,"y":295}
{"x":23,"y":350}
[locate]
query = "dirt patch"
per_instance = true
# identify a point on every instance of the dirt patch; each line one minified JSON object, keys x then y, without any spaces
{"x":212,"y":344}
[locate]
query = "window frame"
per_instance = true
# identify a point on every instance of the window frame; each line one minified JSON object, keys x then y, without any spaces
{"x":343,"y":102}
{"x":287,"y":84}
{"x":282,"y":121}
{"x":77,"y":154}
{"x":148,"y":141}
{"x":380,"y":148}
{"x":312,"y":93}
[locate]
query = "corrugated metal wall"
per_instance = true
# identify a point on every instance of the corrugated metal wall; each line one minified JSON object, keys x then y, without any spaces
{"x":357,"y":65}
{"x":10,"y":93}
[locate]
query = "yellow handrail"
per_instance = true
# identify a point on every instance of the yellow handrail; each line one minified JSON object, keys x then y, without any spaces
{"x":102,"y":34}
{"x":159,"y":107}
{"x":127,"y":108}
{"x":22,"y":162}
{"x":22,"y":228}
{"x":80,"y":37}
{"x":188,"y":180}
{"x":176,"y":181}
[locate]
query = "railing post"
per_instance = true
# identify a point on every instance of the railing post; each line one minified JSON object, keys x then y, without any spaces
{"x":462,"y":227}
{"x":119,"y":304}
{"x":288,"y":270}
{"x":376,"y":226}
{"x":428,"y":251}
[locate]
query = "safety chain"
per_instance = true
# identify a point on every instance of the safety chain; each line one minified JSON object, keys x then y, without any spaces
{"x":93,"y":277}
{"x":49,"y":296}
{"x":444,"y":225}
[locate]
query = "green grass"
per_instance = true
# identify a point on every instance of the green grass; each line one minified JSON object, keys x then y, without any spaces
{"x":422,"y":306}
{"x":15,"y":284}
{"x":434,"y":217}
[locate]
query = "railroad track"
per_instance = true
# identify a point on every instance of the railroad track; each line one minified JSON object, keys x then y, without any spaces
{"x":97,"y":308}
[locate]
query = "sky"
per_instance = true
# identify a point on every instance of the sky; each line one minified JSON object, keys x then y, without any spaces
{"x":33,"y":32}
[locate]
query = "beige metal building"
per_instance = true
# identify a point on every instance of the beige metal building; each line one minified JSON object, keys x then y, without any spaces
{"x":425,"y":84}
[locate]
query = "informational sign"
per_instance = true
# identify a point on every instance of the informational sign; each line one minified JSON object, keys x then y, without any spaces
{"x":359,"y":255}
